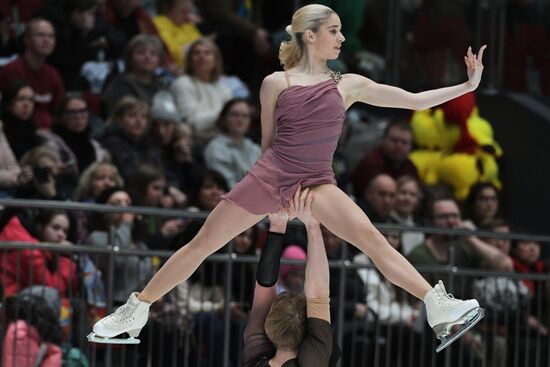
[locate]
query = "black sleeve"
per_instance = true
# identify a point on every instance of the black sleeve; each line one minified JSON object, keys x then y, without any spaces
{"x":316,"y":349}
{"x":270,"y":260}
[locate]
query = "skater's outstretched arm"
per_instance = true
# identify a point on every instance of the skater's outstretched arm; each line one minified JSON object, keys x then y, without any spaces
{"x":317,"y":349}
{"x":361,"y":89}
{"x":317,"y":281}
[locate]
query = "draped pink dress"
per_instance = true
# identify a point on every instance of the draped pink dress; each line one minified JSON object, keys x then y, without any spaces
{"x":309,"y":123}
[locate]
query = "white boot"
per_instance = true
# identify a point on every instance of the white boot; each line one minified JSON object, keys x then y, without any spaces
{"x":129,"y":318}
{"x":444,"y":312}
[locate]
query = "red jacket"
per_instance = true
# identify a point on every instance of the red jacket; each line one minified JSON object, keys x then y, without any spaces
{"x":21,"y":269}
{"x":537,"y":267}
{"x":22,"y":344}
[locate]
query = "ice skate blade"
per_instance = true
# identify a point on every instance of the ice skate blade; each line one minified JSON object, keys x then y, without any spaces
{"x":92,"y":337}
{"x":466,"y":323}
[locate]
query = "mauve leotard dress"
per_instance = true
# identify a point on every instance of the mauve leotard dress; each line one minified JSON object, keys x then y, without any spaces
{"x":309,"y":123}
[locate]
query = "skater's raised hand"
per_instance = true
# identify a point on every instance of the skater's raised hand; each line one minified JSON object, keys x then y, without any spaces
{"x":278,"y":220}
{"x":301,"y":205}
{"x":474,"y":66}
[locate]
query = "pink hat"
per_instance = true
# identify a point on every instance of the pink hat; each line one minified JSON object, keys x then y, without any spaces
{"x":292,"y":252}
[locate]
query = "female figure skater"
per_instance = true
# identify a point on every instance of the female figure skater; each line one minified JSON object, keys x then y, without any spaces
{"x":303,"y":110}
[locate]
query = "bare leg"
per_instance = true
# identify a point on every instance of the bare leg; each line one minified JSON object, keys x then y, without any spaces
{"x":225,"y":222}
{"x":336,"y":211}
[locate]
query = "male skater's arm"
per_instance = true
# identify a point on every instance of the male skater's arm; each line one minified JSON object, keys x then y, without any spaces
{"x":317,"y":281}
{"x":256,"y":343}
{"x":316,"y":349}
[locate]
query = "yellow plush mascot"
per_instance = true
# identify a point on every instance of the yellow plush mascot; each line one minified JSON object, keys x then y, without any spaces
{"x":455,"y":146}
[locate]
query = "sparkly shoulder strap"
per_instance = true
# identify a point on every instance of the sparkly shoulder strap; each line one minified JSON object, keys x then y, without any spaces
{"x":335,"y":75}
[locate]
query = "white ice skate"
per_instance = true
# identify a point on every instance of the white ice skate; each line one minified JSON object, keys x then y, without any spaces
{"x":447,"y":314}
{"x":128,"y":318}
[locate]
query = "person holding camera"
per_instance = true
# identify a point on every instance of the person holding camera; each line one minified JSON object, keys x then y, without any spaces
{"x":37,"y":180}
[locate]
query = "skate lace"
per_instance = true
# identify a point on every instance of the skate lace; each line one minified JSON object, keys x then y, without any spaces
{"x":446,"y":298}
{"x":121,"y":313}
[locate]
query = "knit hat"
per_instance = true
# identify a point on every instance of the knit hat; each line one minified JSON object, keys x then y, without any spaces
{"x":292,"y":252}
{"x":163,"y":107}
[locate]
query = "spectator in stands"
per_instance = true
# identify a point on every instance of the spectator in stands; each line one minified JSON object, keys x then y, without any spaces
{"x":53,"y":227}
{"x":469,"y":251}
{"x":383,"y":298}
{"x":184,"y":162}
{"x":96,"y":178}
{"x":482,"y":203}
{"x":37,"y":181}
{"x":378,"y":200}
{"x":208,"y":192}
{"x":82,"y":32}
{"x":242,"y":288}
{"x":131,"y":271}
{"x":292,"y":277}
{"x":505,"y":300}
{"x":388,"y":304}
{"x":175,"y":23}
{"x":39,"y":169}
{"x":71,"y":139}
{"x":206,"y":296}
{"x":24,"y":268}
{"x":147,"y":187}
{"x":31,"y":66}
{"x":231,"y":153}
{"x":165,"y":118}
{"x":407,"y":203}
{"x":526,"y":259}
{"x":17,"y":116}
{"x":73,"y":126}
{"x":206,"y":195}
{"x":201,"y":94}
{"x":391,"y":157}
{"x":499,"y":226}
{"x":142,"y":57}
{"x":66,"y":175}
{"x":33,"y":334}
{"x":126,"y":138}
{"x":356,"y":312}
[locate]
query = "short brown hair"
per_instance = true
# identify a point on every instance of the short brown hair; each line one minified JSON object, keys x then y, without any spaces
{"x":124,"y":105}
{"x":139,"y":41}
{"x":397,"y":124}
{"x":31,"y":157}
{"x":285,"y":324}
